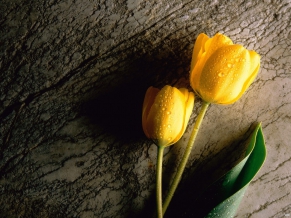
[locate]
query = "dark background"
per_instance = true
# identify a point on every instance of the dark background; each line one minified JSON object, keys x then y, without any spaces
{"x":73,"y":75}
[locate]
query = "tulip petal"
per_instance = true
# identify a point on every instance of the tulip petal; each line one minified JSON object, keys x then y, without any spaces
{"x":253,"y":72}
{"x":210,"y":46}
{"x":196,"y":73}
{"x":150,"y":96}
{"x":189,"y":108}
{"x":198,"y":48}
{"x":164,"y":121}
{"x":189,"y":104}
{"x":166,"y":114}
{"x":224,"y":74}
{"x":255,"y":62}
{"x":216,"y":42}
{"x":185,"y":93}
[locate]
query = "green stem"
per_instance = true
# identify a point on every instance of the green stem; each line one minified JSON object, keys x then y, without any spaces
{"x":159,"y":181}
{"x":185,"y":158}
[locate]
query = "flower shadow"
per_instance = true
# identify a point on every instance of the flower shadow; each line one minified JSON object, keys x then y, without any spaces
{"x":115,"y":110}
{"x":118,"y":111}
{"x":117,"y":107}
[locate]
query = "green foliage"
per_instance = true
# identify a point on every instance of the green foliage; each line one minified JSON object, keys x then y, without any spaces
{"x":226,"y":193}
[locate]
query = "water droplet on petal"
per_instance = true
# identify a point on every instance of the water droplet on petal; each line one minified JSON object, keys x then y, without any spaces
{"x":169,"y":126}
{"x":221,"y":74}
{"x":229,"y":65}
{"x":168,"y":112}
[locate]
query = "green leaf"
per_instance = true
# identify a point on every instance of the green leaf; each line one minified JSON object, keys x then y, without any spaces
{"x":225,"y":195}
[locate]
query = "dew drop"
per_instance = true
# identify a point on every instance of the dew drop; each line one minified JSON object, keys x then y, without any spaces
{"x":168,"y":112}
{"x":229,"y":65}
{"x":169,"y":126}
{"x":170,"y":138}
{"x":221,"y":74}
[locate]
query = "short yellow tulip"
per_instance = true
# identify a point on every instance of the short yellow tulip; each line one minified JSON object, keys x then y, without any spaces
{"x":166,"y":113}
{"x":220,"y":70}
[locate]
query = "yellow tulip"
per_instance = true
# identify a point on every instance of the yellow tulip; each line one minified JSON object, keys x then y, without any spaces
{"x":166,"y":113}
{"x":220,"y":70}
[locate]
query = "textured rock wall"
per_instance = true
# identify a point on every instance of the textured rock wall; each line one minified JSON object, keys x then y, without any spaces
{"x":72,"y":80}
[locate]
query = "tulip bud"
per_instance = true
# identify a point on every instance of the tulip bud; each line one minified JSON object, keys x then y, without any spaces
{"x":166,"y":113}
{"x":220,"y":70}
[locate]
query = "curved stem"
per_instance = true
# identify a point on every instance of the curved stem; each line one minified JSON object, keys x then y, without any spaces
{"x":159,"y":181}
{"x":185,"y":158}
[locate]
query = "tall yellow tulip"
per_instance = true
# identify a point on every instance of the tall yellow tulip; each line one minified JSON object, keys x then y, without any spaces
{"x":220,"y":73}
{"x":166,"y":113}
{"x":220,"y":70}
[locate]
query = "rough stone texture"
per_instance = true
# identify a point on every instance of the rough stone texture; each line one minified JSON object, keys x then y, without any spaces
{"x":73,"y":78}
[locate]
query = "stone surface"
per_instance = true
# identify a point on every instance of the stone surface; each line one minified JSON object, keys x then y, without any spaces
{"x":73,"y":78}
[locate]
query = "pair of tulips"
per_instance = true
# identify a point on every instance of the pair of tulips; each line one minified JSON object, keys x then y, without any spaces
{"x":220,"y":73}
